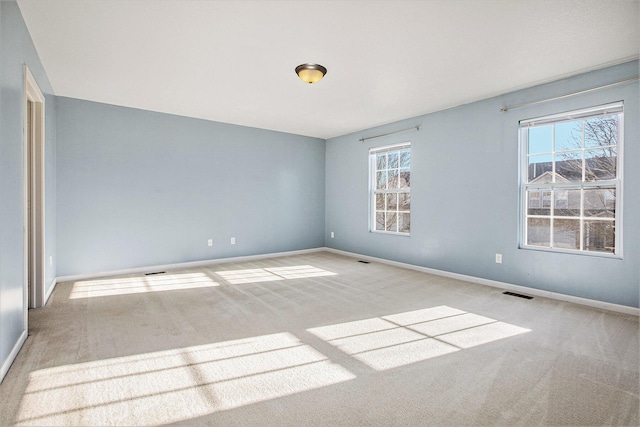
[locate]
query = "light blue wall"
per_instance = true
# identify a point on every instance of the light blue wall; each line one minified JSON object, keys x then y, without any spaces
{"x":138,"y":188}
{"x":464,"y":187}
{"x":16,"y":49}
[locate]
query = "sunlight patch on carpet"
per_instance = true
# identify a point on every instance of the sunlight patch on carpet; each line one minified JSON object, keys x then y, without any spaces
{"x":137,"y":285}
{"x":253,"y":275}
{"x":256,"y":275}
{"x":396,"y":340}
{"x":176,"y":385}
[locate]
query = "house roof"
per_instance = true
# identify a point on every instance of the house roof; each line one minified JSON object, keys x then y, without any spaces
{"x":548,"y":177}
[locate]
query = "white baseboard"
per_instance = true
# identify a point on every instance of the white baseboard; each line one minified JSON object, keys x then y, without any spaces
{"x":190,"y":264}
{"x":502,"y":285}
{"x":12,"y":356}
{"x":50,"y":291}
{"x":486,"y":282}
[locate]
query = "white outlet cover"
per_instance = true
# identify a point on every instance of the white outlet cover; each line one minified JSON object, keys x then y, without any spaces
{"x":233,"y":240}
{"x":210,"y":242}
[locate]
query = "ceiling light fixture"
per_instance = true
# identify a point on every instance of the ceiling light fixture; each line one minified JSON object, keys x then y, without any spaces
{"x":310,"y":73}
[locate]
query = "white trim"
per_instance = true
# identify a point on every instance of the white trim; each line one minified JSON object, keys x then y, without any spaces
{"x":388,"y":148}
{"x":600,"y":110}
{"x":373,"y":191}
{"x":393,"y":233}
{"x":191,"y":264}
{"x":50,"y":291}
{"x":33,"y":94}
{"x":620,"y":184}
{"x":12,"y":356}
{"x":502,"y":285}
{"x":472,"y":279}
{"x":616,"y":108}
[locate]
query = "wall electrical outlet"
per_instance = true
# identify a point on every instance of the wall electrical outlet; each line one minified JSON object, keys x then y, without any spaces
{"x":233,"y":240}
{"x":210,"y":242}
{"x":50,"y":261}
{"x":498,"y":258}
{"x":332,"y":235}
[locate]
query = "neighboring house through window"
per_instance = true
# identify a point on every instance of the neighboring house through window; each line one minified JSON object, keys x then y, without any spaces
{"x":571,"y":181}
{"x":390,"y":185}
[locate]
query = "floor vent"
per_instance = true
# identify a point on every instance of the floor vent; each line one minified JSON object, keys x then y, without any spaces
{"x":156,"y":272}
{"x":364,"y":262}
{"x":513,"y":294}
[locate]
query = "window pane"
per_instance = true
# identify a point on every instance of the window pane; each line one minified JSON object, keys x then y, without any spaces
{"x":600,"y":203}
{"x":381,"y":161}
{"x":540,"y":168}
{"x":566,"y":233}
{"x":404,"y":222}
{"x":379,"y":202}
{"x":404,"y":200}
{"x":539,"y":232}
{"x":546,"y":199}
{"x":393,"y":160}
{"x":393,"y":179}
{"x":601,"y":131}
{"x":599,"y":236}
{"x":568,"y":136}
{"x":405,"y":178}
{"x":539,"y":139}
{"x":569,"y":166}
{"x":380,"y":221}
{"x":392,"y":202}
{"x":566,"y":202}
{"x":600,"y":163}
{"x":391,"y":222}
{"x":405,"y":159}
{"x":381,"y":180}
{"x":534,"y":200}
{"x":534,"y":203}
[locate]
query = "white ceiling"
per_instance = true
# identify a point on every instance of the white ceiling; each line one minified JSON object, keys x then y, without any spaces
{"x":233,"y":61}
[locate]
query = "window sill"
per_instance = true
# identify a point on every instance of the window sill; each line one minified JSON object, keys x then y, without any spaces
{"x":572,"y":252}
{"x":394,"y":233}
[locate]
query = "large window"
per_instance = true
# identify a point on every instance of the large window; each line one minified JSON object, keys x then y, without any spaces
{"x":390,"y":185}
{"x":571,"y":181}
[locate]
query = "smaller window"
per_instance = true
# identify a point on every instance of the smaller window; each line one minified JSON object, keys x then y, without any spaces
{"x":389,"y":189}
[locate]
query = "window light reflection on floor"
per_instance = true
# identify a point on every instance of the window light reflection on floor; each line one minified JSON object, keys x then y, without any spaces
{"x":256,"y":275}
{"x":136,"y":285}
{"x":391,"y":341}
{"x":176,"y":385}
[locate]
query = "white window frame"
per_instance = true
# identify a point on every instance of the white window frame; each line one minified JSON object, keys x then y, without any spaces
{"x":373,"y":190}
{"x":615,"y":183}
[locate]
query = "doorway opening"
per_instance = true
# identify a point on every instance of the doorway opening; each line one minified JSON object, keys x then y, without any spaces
{"x":34,"y":269}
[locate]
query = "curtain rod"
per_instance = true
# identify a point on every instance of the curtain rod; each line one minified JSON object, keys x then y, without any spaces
{"x":505,"y":109}
{"x":390,"y":133}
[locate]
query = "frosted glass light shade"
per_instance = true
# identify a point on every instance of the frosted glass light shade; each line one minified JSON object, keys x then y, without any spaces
{"x":310,"y":73}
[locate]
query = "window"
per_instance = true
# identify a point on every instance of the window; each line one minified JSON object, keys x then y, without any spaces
{"x":571,"y":181}
{"x":390,"y":185}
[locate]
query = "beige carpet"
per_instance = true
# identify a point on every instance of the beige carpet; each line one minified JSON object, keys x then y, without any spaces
{"x":318,"y":339}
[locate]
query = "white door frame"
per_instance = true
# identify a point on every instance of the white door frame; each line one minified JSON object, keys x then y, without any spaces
{"x":33,"y":129}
